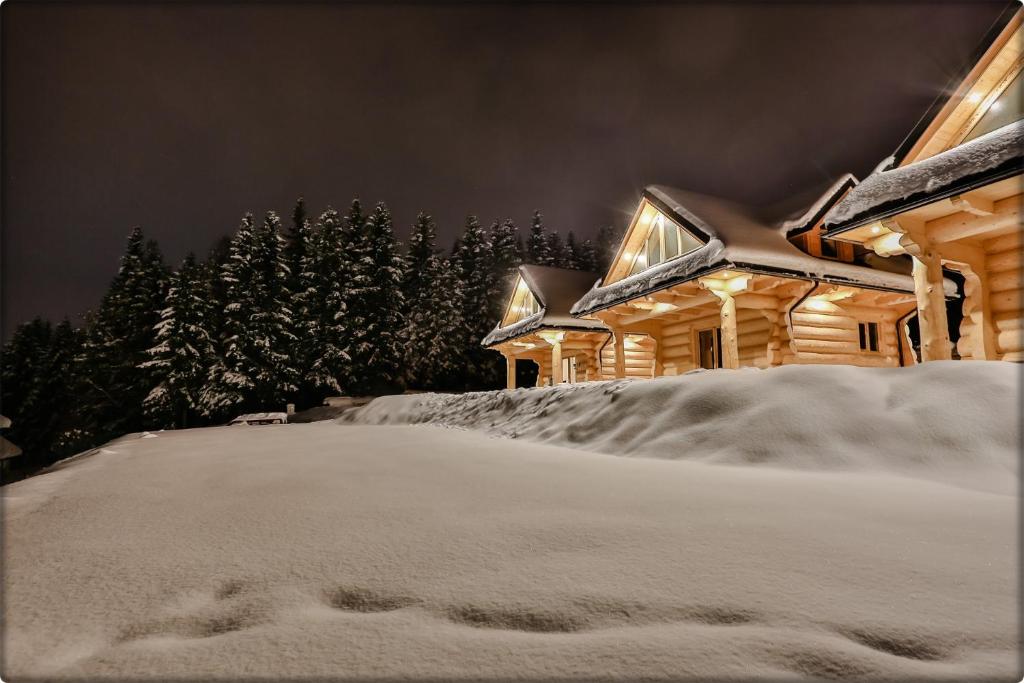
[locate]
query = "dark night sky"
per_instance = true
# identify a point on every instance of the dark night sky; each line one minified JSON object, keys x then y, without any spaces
{"x":180,"y":118}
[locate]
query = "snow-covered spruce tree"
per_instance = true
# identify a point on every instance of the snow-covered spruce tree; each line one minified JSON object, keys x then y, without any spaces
{"x":538,"y":246}
{"x":475,"y":272}
{"x":560,"y":256}
{"x":606,"y":246}
{"x":184,"y":351}
{"x":37,"y":371}
{"x":506,"y":254}
{"x":375,"y":345}
{"x":118,"y":337}
{"x":585,"y":256}
{"x":255,"y":371}
{"x":505,"y":260}
{"x":433,"y":327}
{"x":302,"y":254}
{"x":326,"y":274}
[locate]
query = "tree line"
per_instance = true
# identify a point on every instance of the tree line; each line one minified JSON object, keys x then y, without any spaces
{"x":274,"y":315}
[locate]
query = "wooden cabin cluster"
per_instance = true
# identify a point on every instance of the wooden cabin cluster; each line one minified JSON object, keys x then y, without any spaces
{"x":866,"y":275}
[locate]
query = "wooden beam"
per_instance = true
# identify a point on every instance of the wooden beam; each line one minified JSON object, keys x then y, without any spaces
{"x":977,"y":206}
{"x":756,"y":301}
{"x":1005,"y":213}
{"x":510,"y":371}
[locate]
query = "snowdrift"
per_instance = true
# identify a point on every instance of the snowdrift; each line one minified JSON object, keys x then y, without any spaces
{"x":955,"y":421}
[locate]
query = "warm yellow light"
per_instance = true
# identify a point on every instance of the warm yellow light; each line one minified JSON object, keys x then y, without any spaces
{"x":816,"y":304}
{"x":974,"y":98}
{"x":875,"y":229}
{"x":887,"y":245}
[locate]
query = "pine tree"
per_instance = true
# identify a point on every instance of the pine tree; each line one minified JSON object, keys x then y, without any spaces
{"x":586,"y":257}
{"x":538,"y":245}
{"x":255,"y":371}
{"x":474,"y":269}
{"x":117,"y":340}
{"x":606,"y":246}
{"x":505,"y":260}
{"x":433,"y":322}
{"x":302,"y":254}
{"x":325,"y":278}
{"x":184,"y":352}
{"x":23,"y":380}
{"x":560,"y":256}
{"x":375,"y":345}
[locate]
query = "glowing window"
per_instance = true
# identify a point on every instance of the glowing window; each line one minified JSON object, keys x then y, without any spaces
{"x":665,"y":240}
{"x":1004,"y":111}
{"x":524,"y":304}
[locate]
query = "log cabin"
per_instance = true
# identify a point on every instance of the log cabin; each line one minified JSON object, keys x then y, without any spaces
{"x":705,"y":283}
{"x":950,"y":198}
{"x":537,"y":326}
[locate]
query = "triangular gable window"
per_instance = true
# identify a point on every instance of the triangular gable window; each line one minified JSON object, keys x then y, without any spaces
{"x":665,"y":240}
{"x":523,"y":304}
{"x":1005,"y":110}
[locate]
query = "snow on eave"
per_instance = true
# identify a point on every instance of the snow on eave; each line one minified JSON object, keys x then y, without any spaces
{"x":537,"y":321}
{"x":736,"y":241}
{"x":984,"y":160}
{"x":556,"y":289}
{"x":813,"y":214}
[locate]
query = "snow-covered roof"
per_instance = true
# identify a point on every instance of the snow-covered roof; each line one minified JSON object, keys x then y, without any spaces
{"x":981,"y":161}
{"x":808,"y":218}
{"x":556,"y":290}
{"x":735,"y":240}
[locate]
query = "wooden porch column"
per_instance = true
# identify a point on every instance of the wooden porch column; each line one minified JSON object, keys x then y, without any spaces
{"x":620,"y":353}
{"x":730,"y":336}
{"x":556,"y":361}
{"x":510,"y":371}
{"x":931,"y":298}
{"x":931,"y":304}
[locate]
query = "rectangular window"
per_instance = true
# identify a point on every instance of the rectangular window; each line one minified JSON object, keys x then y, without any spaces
{"x":709,"y":348}
{"x":569,"y":369}
{"x":868,"y":336}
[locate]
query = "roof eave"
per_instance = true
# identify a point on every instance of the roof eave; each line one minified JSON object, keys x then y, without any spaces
{"x":1008,"y":169}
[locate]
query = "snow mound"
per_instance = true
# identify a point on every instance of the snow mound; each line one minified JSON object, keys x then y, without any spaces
{"x":954,"y":421}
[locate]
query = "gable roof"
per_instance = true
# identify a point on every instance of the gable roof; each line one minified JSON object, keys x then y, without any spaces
{"x":556,"y":290}
{"x":809,"y":218}
{"x":984,"y":160}
{"x":735,"y":239}
{"x":954,"y":89}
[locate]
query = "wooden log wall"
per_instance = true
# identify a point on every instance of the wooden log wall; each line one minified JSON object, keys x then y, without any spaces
{"x":640,"y":357}
{"x":826,"y":332}
{"x":1003,"y":263}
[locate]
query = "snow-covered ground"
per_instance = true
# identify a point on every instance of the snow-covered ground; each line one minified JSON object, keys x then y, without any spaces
{"x":352,"y":550}
{"x":951,"y":421}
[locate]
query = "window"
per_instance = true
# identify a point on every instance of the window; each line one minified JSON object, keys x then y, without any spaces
{"x":709,"y":348}
{"x":665,"y":240}
{"x":569,"y":369}
{"x":523,"y":305}
{"x":1005,"y":110}
{"x":868,"y":337}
